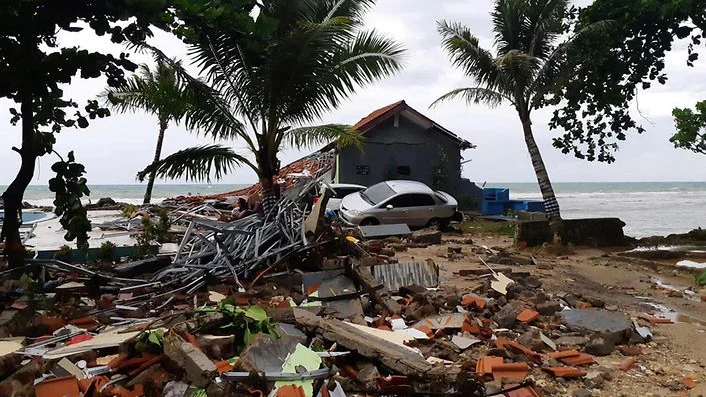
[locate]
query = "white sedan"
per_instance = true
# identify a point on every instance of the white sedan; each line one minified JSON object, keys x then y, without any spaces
{"x":341,"y":190}
{"x":413,"y":203}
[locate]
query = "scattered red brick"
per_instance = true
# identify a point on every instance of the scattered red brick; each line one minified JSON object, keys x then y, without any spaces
{"x":581,"y":359}
{"x":689,"y":382}
{"x":290,"y":391}
{"x":583,"y":305}
{"x":512,"y":371}
{"x":505,"y":343}
{"x":527,"y":316}
{"x":564,"y":354}
{"x":565,"y":372}
{"x":395,"y":384}
{"x":473,"y":301}
{"x":471,"y":327}
{"x":64,"y":387}
{"x":485,"y":365}
{"x":654,"y":320}
{"x":630,"y":350}
{"x":627,"y":364}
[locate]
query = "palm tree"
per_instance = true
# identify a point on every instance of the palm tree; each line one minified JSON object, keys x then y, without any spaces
{"x":266,"y":93}
{"x":158,"y":92}
{"x":527,"y":63}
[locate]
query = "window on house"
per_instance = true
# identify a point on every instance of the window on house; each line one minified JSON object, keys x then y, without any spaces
{"x":403,"y":170}
{"x":362,"y":170}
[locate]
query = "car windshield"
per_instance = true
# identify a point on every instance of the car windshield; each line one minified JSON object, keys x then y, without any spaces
{"x":376,"y":194}
{"x":441,"y":197}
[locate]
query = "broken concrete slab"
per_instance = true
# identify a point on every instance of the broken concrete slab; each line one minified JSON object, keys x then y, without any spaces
{"x":427,"y":236}
{"x":378,"y":231}
{"x":198,"y":367}
{"x":596,"y":320}
{"x":400,"y":359}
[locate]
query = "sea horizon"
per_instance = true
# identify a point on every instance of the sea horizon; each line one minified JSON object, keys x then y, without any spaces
{"x":647,"y":208}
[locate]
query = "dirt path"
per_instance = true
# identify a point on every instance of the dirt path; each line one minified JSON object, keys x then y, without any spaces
{"x":677,"y":351}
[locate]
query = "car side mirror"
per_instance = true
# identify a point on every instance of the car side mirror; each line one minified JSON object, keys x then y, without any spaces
{"x":389,"y":206}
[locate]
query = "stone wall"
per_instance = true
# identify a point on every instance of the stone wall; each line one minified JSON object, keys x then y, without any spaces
{"x":595,"y":232}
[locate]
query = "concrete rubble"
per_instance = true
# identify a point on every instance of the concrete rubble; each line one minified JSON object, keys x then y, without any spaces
{"x":261,"y":307}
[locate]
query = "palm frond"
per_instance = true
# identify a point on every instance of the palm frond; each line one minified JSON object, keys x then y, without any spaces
{"x":197,"y":164}
{"x":466,"y":53}
{"x":306,"y":137}
{"x":205,"y":111}
{"x":474,"y":96}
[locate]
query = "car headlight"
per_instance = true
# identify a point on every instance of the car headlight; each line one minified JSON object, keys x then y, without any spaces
{"x":355,"y":212}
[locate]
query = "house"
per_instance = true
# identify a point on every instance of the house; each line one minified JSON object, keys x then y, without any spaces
{"x":402,"y":143}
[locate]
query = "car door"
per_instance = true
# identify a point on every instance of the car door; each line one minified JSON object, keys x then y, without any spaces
{"x":395,"y":210}
{"x":420,"y":209}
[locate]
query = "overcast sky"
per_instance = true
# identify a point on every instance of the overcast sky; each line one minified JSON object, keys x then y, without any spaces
{"x":114,"y":149}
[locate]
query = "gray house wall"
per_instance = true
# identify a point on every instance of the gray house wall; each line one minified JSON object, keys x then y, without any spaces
{"x":388,"y":147}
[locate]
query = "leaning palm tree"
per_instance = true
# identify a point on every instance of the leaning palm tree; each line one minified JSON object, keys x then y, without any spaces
{"x":266,"y":94}
{"x":527,"y":63}
{"x":157,"y":92}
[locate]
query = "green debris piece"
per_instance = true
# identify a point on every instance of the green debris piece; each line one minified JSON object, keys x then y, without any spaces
{"x":701,"y":278}
{"x":301,"y":357}
{"x":256,"y":313}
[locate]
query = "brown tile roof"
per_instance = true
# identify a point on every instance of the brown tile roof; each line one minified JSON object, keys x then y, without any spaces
{"x":375,"y":114}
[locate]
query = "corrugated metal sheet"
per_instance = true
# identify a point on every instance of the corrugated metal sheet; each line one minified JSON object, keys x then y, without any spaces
{"x":396,"y":275}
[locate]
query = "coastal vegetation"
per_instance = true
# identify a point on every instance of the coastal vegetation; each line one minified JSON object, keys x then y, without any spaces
{"x":267,"y":93}
{"x":691,"y":128}
{"x":608,"y":67}
{"x":158,"y":92}
{"x":527,"y":61}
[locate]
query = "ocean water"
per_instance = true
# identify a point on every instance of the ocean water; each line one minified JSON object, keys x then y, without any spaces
{"x":133,"y":194}
{"x":647,"y":208}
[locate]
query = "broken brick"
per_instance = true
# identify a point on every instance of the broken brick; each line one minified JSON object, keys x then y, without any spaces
{"x":512,"y":371}
{"x":565,"y":372}
{"x":627,"y":364}
{"x":564,"y":354}
{"x":473,"y":301}
{"x":395,"y":384}
{"x":581,"y":359}
{"x":527,"y":316}
{"x":485,"y":365}
{"x":689,"y":382}
{"x":654,"y":320}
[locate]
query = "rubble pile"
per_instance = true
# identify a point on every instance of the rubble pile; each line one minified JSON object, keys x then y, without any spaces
{"x":285,"y":304}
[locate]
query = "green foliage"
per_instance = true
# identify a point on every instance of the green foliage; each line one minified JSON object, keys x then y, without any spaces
{"x":480,"y":226}
{"x":701,"y":278}
{"x":36,"y":66}
{"x":691,"y":128}
{"x":64,"y":254}
{"x":304,"y":58}
{"x":152,"y":341}
{"x":440,"y":176}
{"x":155,"y":231}
{"x":106,"y":251}
{"x":69,"y":186}
{"x":697,"y":234}
{"x":608,"y":67}
{"x":129,"y":210}
{"x":246,"y":322}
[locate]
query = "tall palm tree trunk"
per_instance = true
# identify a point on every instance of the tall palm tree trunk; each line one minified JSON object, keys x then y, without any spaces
{"x":551,"y":205}
{"x":157,"y":154}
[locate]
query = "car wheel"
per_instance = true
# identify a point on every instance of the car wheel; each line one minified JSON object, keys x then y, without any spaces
{"x":369,"y":222}
{"x":439,"y":223}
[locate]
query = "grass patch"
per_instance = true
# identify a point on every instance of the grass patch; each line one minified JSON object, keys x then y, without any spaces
{"x":483,"y":226}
